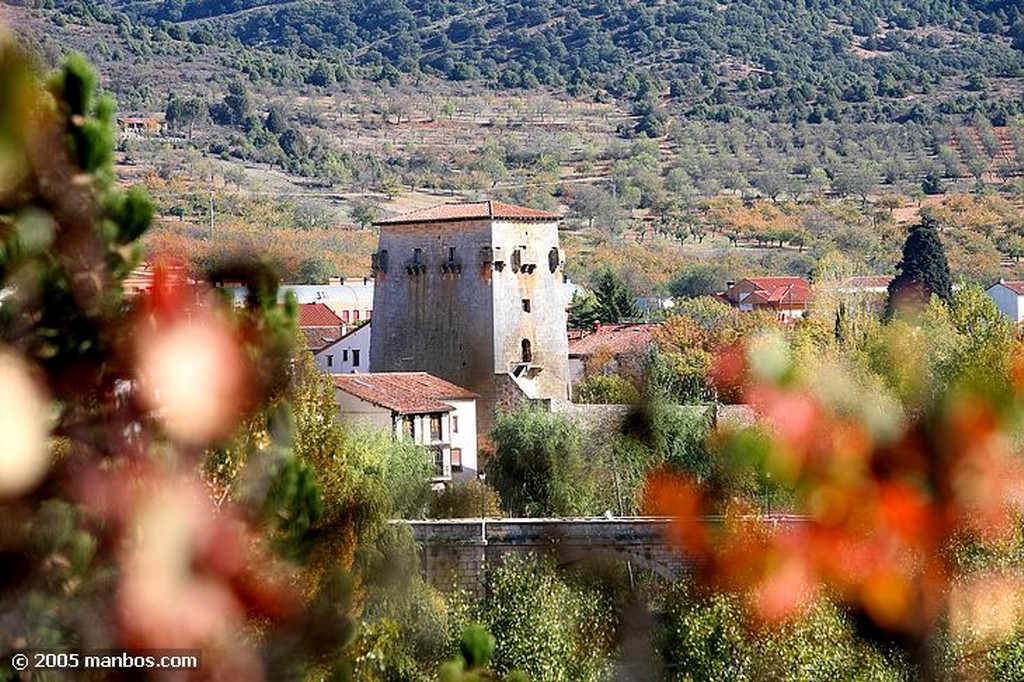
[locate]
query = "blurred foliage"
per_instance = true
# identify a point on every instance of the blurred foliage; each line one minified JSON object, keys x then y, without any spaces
{"x":466,"y":500}
{"x":548,"y":626}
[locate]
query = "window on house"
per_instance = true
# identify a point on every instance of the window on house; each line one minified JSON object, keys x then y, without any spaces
{"x":456,"y":459}
{"x":344,"y":316}
{"x":417,"y":256}
{"x":409,"y":428}
{"x":435,"y":427}
{"x":344,"y":355}
{"x":526,"y":305}
{"x":355,"y":315}
{"x":355,"y":357}
{"x":527,"y":351}
{"x":455,"y":424}
{"x":330,"y":361}
{"x":438,"y":461}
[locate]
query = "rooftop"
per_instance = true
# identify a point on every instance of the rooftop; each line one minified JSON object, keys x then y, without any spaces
{"x":317,"y":315}
{"x":479,"y":210}
{"x":1016,"y":287}
{"x":619,"y":339}
{"x":403,"y":392}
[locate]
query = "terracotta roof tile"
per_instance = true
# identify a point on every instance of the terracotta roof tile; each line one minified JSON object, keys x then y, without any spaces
{"x":403,"y":392}
{"x":1016,"y":287}
{"x":480,"y":210}
{"x":318,"y":338}
{"x":317,"y":315}
{"x":619,"y":339}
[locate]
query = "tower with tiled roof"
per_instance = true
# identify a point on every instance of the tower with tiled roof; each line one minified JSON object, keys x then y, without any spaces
{"x":472,"y":293}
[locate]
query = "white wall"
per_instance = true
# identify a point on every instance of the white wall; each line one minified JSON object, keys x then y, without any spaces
{"x":465,"y":438}
{"x":1008,"y":301}
{"x":339,"y":357}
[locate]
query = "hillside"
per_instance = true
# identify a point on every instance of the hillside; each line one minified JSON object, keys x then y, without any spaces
{"x":850,"y":60}
{"x":764,"y":160}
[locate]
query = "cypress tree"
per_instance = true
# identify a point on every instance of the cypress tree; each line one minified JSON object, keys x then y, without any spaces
{"x":923,"y":271}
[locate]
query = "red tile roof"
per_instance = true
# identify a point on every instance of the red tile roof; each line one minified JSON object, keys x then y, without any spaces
{"x":480,"y":210}
{"x":403,"y":392}
{"x":318,"y":338}
{"x":1016,"y":287}
{"x":619,"y":339}
{"x":772,"y":290}
{"x":317,"y":315}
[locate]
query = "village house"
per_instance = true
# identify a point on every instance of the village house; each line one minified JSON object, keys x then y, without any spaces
{"x":134,"y":127}
{"x":349,"y":354}
{"x":1009,"y":298}
{"x":474,"y":293}
{"x":419,"y":408}
{"x":788,"y":297}
{"x":319,"y":325}
{"x":617,"y":348}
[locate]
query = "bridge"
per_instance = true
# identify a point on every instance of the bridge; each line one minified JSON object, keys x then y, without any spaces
{"x":461,"y":550}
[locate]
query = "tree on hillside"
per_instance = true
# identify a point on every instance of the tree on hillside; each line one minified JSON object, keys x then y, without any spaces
{"x":186,"y":112}
{"x":923,"y":271}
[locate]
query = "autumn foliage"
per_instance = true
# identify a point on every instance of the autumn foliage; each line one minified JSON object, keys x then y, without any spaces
{"x":879,"y":500}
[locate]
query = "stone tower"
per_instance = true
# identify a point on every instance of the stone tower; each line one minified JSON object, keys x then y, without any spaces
{"x":473,"y":293}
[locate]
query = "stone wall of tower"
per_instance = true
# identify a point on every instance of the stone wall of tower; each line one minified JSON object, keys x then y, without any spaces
{"x":459,"y":312}
{"x":529,"y":304}
{"x":427,"y":317}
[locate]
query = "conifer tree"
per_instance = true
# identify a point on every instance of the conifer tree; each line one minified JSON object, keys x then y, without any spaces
{"x":923,"y":269}
{"x":614,"y":302}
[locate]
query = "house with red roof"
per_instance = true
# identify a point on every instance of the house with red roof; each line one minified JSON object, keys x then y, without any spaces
{"x":1009,"y":297}
{"x":613,"y":348}
{"x":419,"y":408}
{"x":788,"y":297}
{"x":319,"y":324}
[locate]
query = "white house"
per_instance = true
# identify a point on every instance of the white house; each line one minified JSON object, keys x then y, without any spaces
{"x":349,"y":354}
{"x":1009,"y":297}
{"x":416,"y":407}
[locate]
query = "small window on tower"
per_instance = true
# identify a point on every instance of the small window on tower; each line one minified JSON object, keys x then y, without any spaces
{"x":330,"y":361}
{"x":417,"y":256}
{"x":355,"y":357}
{"x":451,"y":254}
{"x":526,"y":305}
{"x":527,"y":351}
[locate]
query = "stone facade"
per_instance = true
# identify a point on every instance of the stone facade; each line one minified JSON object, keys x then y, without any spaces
{"x":474,"y":298}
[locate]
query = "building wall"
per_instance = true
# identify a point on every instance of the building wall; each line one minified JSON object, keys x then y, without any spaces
{"x":358,"y":412}
{"x":466,"y":437}
{"x":435,"y":322}
{"x":1008,"y":301}
{"x":544,"y":326}
{"x":342,"y":354}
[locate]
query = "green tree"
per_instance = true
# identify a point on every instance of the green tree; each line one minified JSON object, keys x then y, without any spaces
{"x":583,"y":310}
{"x":614,"y":300}
{"x":923,"y":270}
{"x":538,"y":467}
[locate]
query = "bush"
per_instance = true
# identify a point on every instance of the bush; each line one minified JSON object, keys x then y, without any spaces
{"x":547,"y":626}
